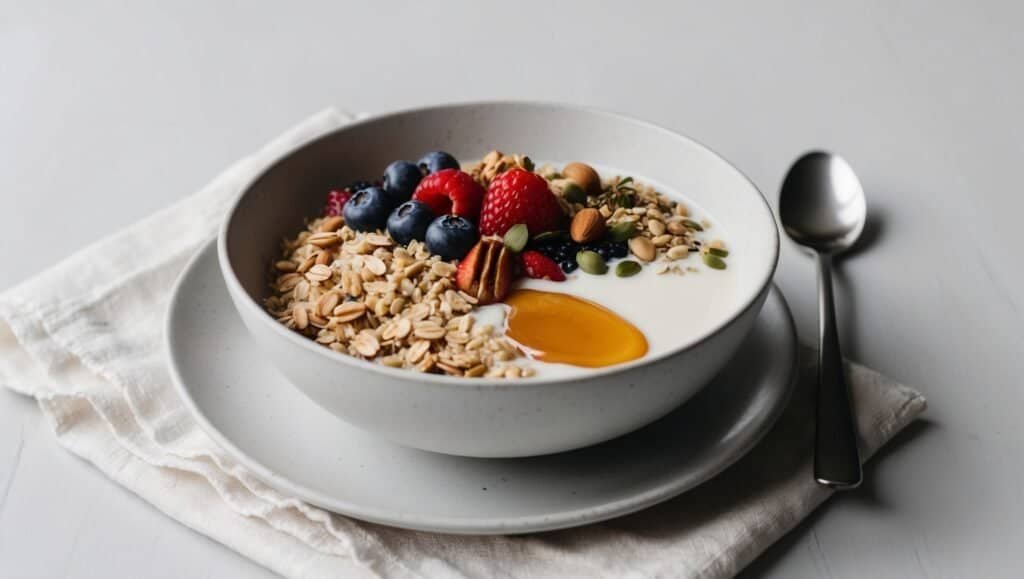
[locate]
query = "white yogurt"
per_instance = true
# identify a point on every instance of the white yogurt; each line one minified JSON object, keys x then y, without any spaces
{"x":670,"y":309}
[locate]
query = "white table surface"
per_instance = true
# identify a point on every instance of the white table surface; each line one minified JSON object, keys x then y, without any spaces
{"x":113,"y":110}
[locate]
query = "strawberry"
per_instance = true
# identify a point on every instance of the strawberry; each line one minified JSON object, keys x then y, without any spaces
{"x":467,"y":269}
{"x":519,"y":196}
{"x":539,"y":266}
{"x":451,"y":191}
{"x":336,"y":200}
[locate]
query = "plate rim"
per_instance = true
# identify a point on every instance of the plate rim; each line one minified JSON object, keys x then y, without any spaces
{"x":461,"y":525}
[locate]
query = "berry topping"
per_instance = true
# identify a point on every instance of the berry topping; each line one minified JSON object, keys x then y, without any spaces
{"x":539,"y":266}
{"x":451,"y":191}
{"x":563,"y":250}
{"x":400,"y":180}
{"x":336,"y":200}
{"x":435,"y":161}
{"x":409,"y":221}
{"x":519,"y":196}
{"x":468,"y":269}
{"x":451,"y":236}
{"x":368,"y":209}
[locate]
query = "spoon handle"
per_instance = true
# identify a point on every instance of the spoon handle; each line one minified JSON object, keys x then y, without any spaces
{"x":836,"y":460}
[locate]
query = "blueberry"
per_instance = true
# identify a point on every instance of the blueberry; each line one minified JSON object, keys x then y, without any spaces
{"x":451,"y":236}
{"x":409,"y":221}
{"x":435,"y":161}
{"x":620,"y":249}
{"x":400,"y":180}
{"x":604,"y":252}
{"x":568,"y":265}
{"x":368,"y":209}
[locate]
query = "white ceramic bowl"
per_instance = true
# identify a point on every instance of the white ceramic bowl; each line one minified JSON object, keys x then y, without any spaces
{"x":481,"y":417}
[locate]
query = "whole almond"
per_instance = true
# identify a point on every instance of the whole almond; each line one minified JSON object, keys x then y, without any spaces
{"x":583,"y":175}
{"x":642,"y":248}
{"x":588,"y":225}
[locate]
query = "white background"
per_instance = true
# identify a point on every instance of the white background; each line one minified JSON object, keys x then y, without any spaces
{"x":109,"y":111}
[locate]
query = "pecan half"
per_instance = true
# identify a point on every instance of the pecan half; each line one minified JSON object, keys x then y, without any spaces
{"x":486,"y":271}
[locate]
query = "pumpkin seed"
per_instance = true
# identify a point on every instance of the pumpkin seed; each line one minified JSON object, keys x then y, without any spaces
{"x":591,"y":262}
{"x":719,"y":252}
{"x":713,"y":261}
{"x":622,"y":231}
{"x":691,"y":224}
{"x":627,"y":268}
{"x":573,"y":193}
{"x":516,"y":237}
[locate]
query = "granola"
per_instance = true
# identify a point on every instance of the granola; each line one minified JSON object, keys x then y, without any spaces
{"x":363,"y":295}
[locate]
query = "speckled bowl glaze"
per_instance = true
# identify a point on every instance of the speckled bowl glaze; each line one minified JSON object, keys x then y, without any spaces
{"x":481,"y":417}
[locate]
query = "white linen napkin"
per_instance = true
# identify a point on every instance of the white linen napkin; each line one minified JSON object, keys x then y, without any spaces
{"x":85,"y":339}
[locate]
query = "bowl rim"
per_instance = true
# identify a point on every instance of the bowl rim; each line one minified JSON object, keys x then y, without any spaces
{"x":235,"y":286}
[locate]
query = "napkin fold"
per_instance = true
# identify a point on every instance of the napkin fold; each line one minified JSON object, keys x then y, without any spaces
{"x":85,"y":339}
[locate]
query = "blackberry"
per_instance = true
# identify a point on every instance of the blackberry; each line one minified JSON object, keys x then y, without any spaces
{"x":620,"y":249}
{"x":545,"y":247}
{"x":567,"y":253}
{"x":568,"y":265}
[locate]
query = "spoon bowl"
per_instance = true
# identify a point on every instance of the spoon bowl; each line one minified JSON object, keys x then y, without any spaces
{"x":822,"y":204}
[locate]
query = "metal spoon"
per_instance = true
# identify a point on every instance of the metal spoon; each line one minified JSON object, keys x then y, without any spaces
{"x":822,"y":207}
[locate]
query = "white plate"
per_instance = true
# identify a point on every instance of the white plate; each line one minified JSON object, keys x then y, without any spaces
{"x":298,"y":447}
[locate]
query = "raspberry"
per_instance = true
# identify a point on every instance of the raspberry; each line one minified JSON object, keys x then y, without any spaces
{"x":519,"y":196}
{"x":451,"y":191}
{"x":336,"y":201}
{"x":539,"y":266}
